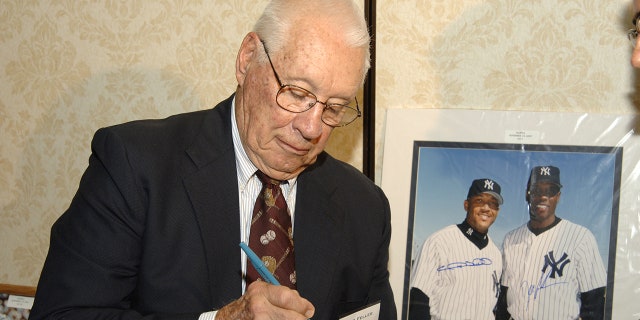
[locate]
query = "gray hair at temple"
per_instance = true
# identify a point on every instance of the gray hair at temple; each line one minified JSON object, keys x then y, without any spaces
{"x":280,"y":16}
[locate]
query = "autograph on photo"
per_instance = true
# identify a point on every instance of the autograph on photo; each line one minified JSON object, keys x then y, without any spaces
{"x":534,"y":289}
{"x":462,"y":264}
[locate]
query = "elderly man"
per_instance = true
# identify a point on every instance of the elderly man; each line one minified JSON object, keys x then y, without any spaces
{"x":154,"y":229}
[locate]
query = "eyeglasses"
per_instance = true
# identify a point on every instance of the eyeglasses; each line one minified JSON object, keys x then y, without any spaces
{"x":548,"y":192}
{"x":632,"y":34}
{"x":479,"y":202}
{"x":297,"y":100}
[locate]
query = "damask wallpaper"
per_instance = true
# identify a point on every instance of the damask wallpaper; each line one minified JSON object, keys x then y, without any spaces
{"x":537,"y":55}
{"x":69,"y":67}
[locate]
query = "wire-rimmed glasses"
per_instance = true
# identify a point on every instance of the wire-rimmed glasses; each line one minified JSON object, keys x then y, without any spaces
{"x":297,"y":100}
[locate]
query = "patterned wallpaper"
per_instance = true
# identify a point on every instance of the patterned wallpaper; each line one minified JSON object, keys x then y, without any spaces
{"x":535,"y":55}
{"x":69,"y":67}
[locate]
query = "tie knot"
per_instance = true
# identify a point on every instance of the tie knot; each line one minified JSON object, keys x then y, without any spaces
{"x":266,"y":180}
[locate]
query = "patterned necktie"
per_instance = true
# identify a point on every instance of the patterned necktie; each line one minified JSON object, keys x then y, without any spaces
{"x":271,"y":236}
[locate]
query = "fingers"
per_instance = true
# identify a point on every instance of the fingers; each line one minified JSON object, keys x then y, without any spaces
{"x":266,"y":301}
{"x":288,"y":299}
{"x":280,"y":299}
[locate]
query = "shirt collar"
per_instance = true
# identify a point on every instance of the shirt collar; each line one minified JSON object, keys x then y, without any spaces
{"x":479,"y":239}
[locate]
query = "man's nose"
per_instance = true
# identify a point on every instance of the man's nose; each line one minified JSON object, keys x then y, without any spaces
{"x":309,"y":123}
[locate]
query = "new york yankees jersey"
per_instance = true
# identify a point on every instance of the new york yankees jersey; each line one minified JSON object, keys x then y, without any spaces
{"x":546,"y":273}
{"x":461,"y":280}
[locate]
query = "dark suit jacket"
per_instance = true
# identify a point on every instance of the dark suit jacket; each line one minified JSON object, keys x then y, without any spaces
{"x":154,"y":228}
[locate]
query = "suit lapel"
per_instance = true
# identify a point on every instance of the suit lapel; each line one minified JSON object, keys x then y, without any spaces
{"x":213,"y":192}
{"x":317,"y":237}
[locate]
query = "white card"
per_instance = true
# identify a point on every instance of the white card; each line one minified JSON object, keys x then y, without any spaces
{"x":370,"y":312}
{"x":20,"y":302}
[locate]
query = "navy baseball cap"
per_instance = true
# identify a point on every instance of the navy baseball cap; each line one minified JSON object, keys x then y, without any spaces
{"x":549,"y":174}
{"x":485,"y":185}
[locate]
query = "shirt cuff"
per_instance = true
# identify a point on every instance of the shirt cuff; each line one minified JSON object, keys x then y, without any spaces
{"x":211,"y":315}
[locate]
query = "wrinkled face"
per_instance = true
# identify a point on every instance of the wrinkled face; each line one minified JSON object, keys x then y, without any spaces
{"x":482,"y":210}
{"x":543,"y":199}
{"x":280,"y":143}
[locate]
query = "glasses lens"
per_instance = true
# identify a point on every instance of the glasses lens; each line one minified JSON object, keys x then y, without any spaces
{"x":545,"y":192}
{"x":338,"y":115}
{"x":295,"y":99}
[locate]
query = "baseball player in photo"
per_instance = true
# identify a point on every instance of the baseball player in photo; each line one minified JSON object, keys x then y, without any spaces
{"x":457,"y":272}
{"x":552,"y":267}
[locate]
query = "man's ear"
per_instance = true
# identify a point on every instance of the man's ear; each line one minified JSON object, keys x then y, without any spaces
{"x":466,"y":206}
{"x":246,"y":55}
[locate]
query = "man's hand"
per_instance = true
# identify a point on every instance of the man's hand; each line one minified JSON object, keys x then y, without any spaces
{"x":266,"y":301}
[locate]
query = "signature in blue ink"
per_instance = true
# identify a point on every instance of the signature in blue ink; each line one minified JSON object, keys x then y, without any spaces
{"x":477,"y":262}
{"x":534,"y":289}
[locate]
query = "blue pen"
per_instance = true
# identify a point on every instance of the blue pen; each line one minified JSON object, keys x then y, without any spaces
{"x":259,"y":265}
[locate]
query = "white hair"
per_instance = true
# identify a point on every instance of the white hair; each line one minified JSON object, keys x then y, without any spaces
{"x":274,"y":24}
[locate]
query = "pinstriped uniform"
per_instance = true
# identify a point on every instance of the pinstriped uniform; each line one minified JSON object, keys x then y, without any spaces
{"x":546,"y":273}
{"x":460,"y":279}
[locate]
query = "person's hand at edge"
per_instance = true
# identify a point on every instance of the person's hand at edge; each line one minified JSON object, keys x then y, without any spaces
{"x":266,"y":301}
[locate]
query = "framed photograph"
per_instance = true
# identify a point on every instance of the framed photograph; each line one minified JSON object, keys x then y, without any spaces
{"x":443,"y":171}
{"x":436,"y":154}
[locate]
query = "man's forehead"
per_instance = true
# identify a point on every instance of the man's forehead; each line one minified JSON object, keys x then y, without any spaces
{"x":312,"y":62}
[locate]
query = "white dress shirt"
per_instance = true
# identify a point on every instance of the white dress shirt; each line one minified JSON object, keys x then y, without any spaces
{"x":248,"y":188}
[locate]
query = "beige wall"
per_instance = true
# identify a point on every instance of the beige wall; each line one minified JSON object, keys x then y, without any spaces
{"x":535,"y":55}
{"x":68,"y":67}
